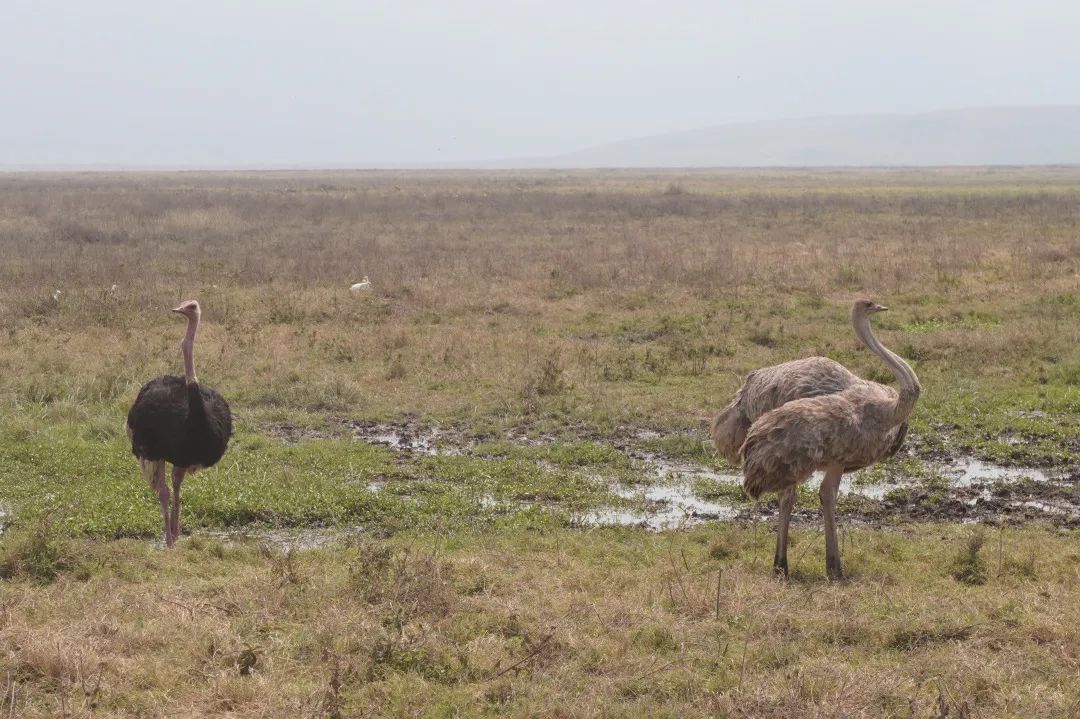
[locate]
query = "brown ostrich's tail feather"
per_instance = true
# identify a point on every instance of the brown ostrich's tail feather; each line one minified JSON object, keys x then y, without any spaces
{"x":728,"y":431}
{"x":769,"y":465}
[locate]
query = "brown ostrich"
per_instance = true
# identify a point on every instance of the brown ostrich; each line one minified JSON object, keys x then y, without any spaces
{"x":766,"y":389}
{"x":847,"y":430}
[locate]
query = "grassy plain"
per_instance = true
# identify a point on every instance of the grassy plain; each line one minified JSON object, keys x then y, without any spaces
{"x":579,"y":308}
{"x":568,"y":304}
{"x":566,"y":623}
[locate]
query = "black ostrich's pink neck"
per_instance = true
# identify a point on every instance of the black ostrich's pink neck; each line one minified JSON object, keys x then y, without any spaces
{"x":188,"y":348}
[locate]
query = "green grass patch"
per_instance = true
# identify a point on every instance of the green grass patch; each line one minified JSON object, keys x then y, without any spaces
{"x":91,"y":486}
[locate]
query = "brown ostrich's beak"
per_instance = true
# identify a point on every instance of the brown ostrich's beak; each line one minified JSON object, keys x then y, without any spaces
{"x":178,"y":310}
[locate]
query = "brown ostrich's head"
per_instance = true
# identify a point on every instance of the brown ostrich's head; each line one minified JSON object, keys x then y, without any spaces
{"x":867,"y":307}
{"x":189,"y":309}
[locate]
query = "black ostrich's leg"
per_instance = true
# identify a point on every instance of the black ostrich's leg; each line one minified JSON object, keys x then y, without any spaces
{"x":161,"y":487}
{"x":174,"y":521}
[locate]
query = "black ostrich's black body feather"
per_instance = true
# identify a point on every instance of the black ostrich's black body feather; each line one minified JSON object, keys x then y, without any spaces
{"x":184,"y":425}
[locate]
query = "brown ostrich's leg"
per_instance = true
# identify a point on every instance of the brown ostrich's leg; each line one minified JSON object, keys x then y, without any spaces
{"x":174,"y":521}
{"x":787,"y":503}
{"x":829,"y":487}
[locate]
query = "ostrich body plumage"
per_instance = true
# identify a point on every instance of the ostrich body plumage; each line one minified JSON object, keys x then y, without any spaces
{"x":184,"y":425}
{"x":766,"y":389}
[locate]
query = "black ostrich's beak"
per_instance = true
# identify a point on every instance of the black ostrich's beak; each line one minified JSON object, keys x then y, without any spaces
{"x":879,"y":308}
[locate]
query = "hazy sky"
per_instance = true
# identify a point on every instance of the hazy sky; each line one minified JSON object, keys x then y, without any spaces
{"x":262,"y":82}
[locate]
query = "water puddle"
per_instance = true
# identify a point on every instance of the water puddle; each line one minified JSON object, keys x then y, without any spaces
{"x":404,"y":438}
{"x":674,"y":492}
{"x":666,"y":506}
{"x":677,"y":494}
{"x":973,"y":471}
{"x":1048,"y":507}
{"x":672,"y":502}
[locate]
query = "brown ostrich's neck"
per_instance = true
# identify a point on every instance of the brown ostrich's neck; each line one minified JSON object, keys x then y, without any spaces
{"x":909,"y":383}
{"x":188,"y":348}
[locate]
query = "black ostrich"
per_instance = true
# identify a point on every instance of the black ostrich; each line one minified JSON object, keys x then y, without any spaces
{"x":177,"y":420}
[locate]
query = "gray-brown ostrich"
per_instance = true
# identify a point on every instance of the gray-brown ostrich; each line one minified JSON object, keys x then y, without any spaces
{"x":766,"y":389}
{"x":179,"y":421}
{"x":836,"y":433}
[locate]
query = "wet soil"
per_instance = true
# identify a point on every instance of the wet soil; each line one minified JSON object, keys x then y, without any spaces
{"x":949,"y":488}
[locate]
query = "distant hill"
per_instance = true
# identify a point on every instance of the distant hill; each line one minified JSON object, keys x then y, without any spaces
{"x":1038,"y":135}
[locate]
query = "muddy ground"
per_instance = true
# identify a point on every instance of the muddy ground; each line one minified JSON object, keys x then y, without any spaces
{"x":916,"y":486}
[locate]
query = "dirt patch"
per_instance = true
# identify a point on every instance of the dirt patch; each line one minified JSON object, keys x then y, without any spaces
{"x":408,"y":436}
{"x":292,"y":433}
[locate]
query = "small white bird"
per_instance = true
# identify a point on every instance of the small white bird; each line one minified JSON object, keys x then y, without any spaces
{"x":361,"y":285}
{"x":56,"y":295}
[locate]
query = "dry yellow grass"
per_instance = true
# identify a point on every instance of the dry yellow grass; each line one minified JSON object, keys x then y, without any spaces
{"x":649,"y":295}
{"x":566,"y":624}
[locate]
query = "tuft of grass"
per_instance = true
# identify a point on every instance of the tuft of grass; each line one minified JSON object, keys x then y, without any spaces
{"x":968,"y":566}
{"x":908,"y":639}
{"x":714,"y":490}
{"x":37,"y":552}
{"x":396,"y":368}
{"x":417,"y":584}
{"x":682,"y":446}
{"x":727,"y":545}
{"x":1069,"y":374}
